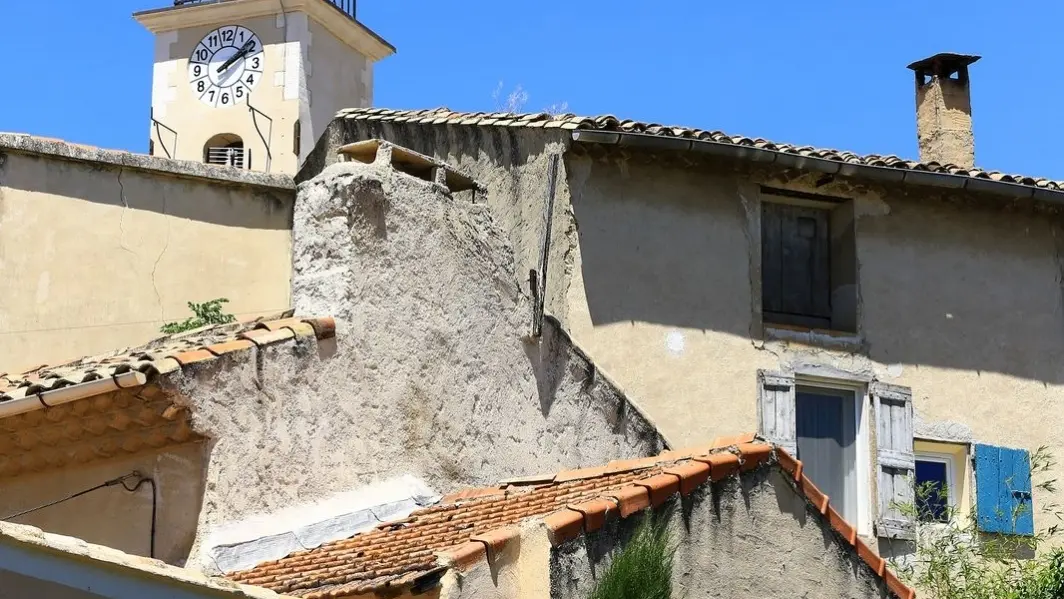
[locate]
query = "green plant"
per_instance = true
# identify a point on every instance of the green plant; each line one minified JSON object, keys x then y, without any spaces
{"x":203,"y":314}
{"x":953,"y":560}
{"x":643,"y":569}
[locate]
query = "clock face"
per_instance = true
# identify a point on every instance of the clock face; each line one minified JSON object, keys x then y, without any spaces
{"x":226,"y":65}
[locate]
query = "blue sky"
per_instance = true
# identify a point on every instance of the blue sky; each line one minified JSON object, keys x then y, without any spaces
{"x":828,"y":73}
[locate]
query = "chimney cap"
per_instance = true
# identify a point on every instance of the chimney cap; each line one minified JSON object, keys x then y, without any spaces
{"x":944,"y":62}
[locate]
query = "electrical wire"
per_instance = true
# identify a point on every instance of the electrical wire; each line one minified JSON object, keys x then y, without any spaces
{"x":121,"y":480}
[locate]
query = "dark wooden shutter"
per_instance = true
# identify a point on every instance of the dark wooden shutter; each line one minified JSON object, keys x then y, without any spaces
{"x":795,"y":265}
{"x":895,"y":459}
{"x":776,"y":409}
{"x":1004,"y":504}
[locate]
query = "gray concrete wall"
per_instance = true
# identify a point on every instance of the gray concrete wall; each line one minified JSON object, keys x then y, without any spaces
{"x":431,"y":372}
{"x":751,"y":537}
{"x":113,"y":516}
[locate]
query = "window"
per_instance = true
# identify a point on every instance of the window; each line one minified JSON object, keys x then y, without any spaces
{"x":935,"y":489}
{"x":227,"y":149}
{"x":824,"y":423}
{"x":808,"y":261}
{"x":826,"y":430}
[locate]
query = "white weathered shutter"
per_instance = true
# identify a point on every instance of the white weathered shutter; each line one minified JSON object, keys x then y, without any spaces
{"x":775,"y":409}
{"x":895,"y":460}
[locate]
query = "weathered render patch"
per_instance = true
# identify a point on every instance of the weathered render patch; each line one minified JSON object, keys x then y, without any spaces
{"x":431,"y":374}
{"x":748,"y":537}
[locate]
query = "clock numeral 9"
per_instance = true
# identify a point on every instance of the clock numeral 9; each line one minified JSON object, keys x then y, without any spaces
{"x":197,"y":70}
{"x":199,"y":86}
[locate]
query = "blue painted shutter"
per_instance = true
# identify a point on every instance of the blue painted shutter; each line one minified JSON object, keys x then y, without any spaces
{"x":1004,"y":504}
{"x":895,"y":459}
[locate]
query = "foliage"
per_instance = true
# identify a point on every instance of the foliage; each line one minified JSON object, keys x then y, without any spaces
{"x":203,"y":314}
{"x":643,"y":569}
{"x":953,"y":560}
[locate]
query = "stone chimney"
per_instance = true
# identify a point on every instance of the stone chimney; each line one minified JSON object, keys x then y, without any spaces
{"x":944,"y":109}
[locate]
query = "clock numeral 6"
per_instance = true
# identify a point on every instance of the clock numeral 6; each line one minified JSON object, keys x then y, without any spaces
{"x":225,"y":98}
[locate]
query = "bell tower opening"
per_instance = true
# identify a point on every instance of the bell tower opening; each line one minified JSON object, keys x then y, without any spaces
{"x":227,"y":149}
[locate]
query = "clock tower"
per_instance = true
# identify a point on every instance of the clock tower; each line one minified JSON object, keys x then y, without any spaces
{"x":252,"y":84}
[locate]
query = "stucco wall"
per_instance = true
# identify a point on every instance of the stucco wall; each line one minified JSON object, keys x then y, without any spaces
{"x":104,"y":254}
{"x":113,"y":516}
{"x":511,"y":163}
{"x":655,"y":270}
{"x":431,"y":373}
{"x":752,"y":537}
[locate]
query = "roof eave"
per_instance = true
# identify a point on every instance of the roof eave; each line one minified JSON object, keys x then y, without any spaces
{"x":846,"y":169}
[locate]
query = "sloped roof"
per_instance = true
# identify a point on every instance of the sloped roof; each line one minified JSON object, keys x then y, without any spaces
{"x":610,"y":123}
{"x":463,"y":525}
{"x":163,"y":355}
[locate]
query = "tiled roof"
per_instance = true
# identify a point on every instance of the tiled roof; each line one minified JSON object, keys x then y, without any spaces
{"x":163,"y":355}
{"x":609,"y":123}
{"x":459,"y":529}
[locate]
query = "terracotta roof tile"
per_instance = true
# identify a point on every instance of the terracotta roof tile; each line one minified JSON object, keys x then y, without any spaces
{"x":441,"y":116}
{"x":466,"y":527}
{"x":165,"y":354}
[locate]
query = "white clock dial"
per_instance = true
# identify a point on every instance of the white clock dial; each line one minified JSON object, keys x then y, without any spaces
{"x":226,"y":65}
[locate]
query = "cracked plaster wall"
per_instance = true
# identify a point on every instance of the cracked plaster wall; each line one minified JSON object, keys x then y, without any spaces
{"x":103,"y":255}
{"x":655,"y":271}
{"x":746,"y":537}
{"x":430,"y":373}
{"x":959,"y":300}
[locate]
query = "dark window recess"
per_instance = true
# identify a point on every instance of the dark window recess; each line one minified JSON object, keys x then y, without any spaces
{"x":296,"y":133}
{"x":151,"y":147}
{"x":808,"y":265}
{"x":796,"y":265}
{"x":932,"y":495}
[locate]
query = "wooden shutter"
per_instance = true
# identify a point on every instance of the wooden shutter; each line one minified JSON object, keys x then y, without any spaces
{"x":776,"y":409}
{"x":1004,"y":504}
{"x":895,"y":461}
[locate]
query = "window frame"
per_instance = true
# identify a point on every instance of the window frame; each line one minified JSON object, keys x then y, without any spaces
{"x":951,"y":480}
{"x":863,"y":455}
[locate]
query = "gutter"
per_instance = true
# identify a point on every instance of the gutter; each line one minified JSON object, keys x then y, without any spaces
{"x":56,"y":397}
{"x":833,"y":167}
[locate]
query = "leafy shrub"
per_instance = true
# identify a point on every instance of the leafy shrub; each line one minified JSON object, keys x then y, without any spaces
{"x":203,"y":314}
{"x":953,"y":560}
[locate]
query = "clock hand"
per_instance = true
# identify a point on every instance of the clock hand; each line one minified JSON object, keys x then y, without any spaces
{"x":242,"y":52}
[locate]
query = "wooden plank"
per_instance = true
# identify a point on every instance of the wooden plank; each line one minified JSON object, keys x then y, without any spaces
{"x":771,"y":259}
